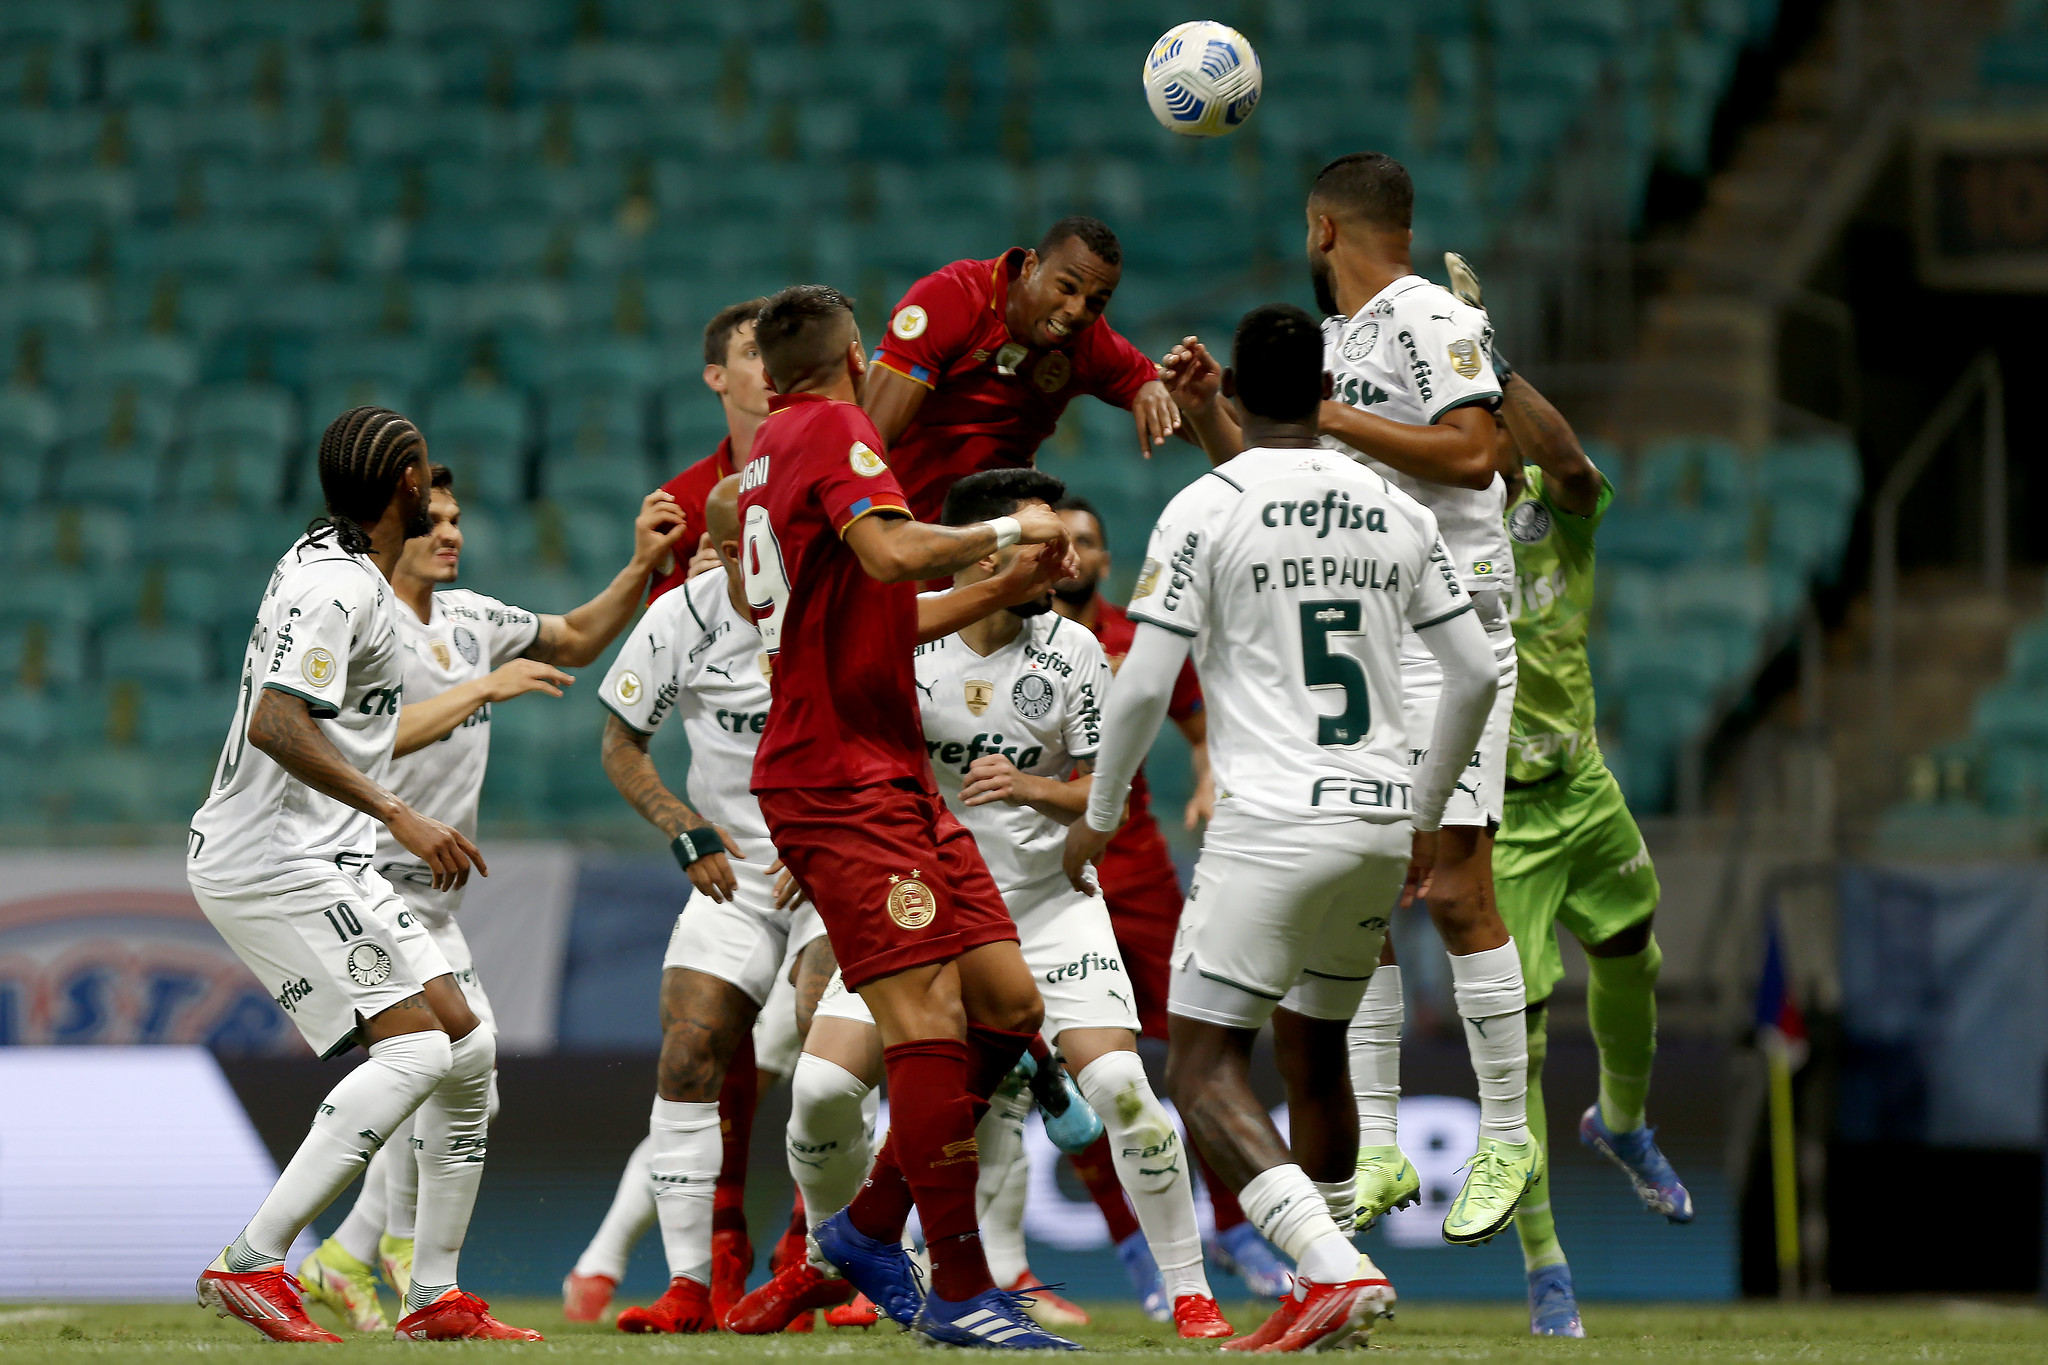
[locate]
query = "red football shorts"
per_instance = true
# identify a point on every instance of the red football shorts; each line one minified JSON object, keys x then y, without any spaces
{"x":897,"y":880}
{"x":1143,"y":891}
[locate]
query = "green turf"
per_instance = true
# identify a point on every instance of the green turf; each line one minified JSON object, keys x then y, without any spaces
{"x":1936,"y":1330}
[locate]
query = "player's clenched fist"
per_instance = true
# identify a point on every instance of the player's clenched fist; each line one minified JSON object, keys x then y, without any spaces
{"x":657,"y":529}
{"x":443,"y":848}
{"x":1038,"y":524}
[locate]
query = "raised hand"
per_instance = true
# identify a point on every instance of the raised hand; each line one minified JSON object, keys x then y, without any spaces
{"x":1191,"y":375}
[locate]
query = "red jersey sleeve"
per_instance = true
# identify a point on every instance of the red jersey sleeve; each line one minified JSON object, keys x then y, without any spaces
{"x":1111,"y":367}
{"x":933,"y":326}
{"x":855,"y":480}
{"x":1187,"y":693}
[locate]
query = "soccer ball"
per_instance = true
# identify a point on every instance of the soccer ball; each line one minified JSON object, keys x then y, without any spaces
{"x":1202,"y":79}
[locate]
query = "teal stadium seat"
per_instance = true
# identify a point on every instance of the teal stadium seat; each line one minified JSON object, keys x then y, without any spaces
{"x":2026,"y":663}
{"x":28,"y":722}
{"x":35,"y":655}
{"x":156,"y":655}
{"x":615,"y":479}
{"x":2012,"y":715}
{"x":216,"y":536}
{"x":483,"y":434}
{"x":56,"y":595}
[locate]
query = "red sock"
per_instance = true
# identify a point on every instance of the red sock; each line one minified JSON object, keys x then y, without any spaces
{"x":1097,"y":1169}
{"x":931,"y":1141}
{"x":1221,"y":1201}
{"x":737,"y":1099}
{"x":992,"y":1055}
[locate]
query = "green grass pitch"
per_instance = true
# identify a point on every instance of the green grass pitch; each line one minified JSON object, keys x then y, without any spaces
{"x":1929,"y":1330}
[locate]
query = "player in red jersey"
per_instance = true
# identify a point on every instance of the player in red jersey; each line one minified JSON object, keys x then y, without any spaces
{"x":830,"y":554}
{"x":982,"y":357}
{"x":732,"y":370}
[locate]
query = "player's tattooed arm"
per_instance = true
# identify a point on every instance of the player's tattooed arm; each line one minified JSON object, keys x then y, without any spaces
{"x":1457,"y":449}
{"x":1542,"y":434}
{"x":627,"y":763}
{"x":993,"y":777}
{"x":282,"y":727}
{"x":577,"y":637}
{"x":896,"y":549}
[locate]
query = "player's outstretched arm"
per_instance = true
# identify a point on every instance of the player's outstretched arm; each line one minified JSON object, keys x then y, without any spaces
{"x":1131,"y":719}
{"x":577,"y":637}
{"x":1457,"y":449}
{"x":940,"y":614}
{"x":896,"y":549}
{"x":1194,"y":381}
{"x":1541,"y":434}
{"x":891,"y":400}
{"x":993,"y":777}
{"x":421,"y":723}
{"x":631,"y":769}
{"x":282,"y":727}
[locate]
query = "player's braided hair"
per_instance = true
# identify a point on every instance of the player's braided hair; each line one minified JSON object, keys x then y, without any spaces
{"x":1093,"y":233}
{"x":363,"y":453}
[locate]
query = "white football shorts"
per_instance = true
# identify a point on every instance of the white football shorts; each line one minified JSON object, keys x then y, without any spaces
{"x":1069,"y":946}
{"x":445,"y":932}
{"x":746,"y":940}
{"x":1477,"y":799}
{"x":327,"y":948}
{"x":1287,"y":916}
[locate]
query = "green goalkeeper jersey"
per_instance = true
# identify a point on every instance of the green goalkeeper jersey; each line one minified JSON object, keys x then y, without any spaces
{"x":1551,"y":608}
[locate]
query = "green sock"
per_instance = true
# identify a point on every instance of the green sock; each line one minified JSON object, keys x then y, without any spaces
{"x":1621,"y":1008}
{"x":1533,"y":1223}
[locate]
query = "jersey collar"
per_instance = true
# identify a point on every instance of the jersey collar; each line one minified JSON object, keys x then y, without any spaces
{"x":1396,"y":286}
{"x":778,"y":401}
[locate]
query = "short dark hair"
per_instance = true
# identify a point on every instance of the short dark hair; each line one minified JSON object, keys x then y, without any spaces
{"x":801,"y":330}
{"x":997,"y":493}
{"x":1368,"y":185}
{"x":1093,"y":234}
{"x":718,"y":332}
{"x":440,"y":476}
{"x":1074,"y":502}
{"x":1276,"y":359}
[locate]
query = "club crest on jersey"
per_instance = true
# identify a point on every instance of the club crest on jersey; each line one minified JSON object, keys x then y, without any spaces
{"x":317,"y":667}
{"x":911,"y":903}
{"x":1358,"y":345}
{"x":1465,"y":358}
{"x":980,"y":692}
{"x":1529,"y":522}
{"x":1052,"y":373}
{"x":865,"y":462}
{"x":1032,"y":695}
{"x":439,"y":649}
{"x":628,"y":687}
{"x":1148,"y":578}
{"x":910,"y":322}
{"x":369,"y":964}
{"x":466,"y":646}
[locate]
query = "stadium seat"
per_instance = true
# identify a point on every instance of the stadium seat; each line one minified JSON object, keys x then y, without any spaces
{"x":43,"y":591}
{"x":210,"y":537}
{"x":28,"y":720}
{"x":156,"y":655}
{"x":616,"y":480}
{"x":2012,"y":715}
{"x":483,"y":434}
{"x":34,"y":655}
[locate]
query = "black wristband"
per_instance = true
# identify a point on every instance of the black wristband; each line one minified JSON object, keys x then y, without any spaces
{"x":693,"y":844}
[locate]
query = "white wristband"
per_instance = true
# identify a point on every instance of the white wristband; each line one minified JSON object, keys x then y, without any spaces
{"x":1007,"y":531}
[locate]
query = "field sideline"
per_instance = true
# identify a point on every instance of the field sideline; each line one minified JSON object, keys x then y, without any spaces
{"x":1937,"y":1330}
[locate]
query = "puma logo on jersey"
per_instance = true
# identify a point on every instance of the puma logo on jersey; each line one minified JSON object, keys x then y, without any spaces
{"x":926,"y":688}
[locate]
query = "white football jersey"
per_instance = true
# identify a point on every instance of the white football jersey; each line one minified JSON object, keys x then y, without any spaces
{"x":465,"y":636}
{"x":1414,"y":352}
{"x":694,"y":656}
{"x":1038,"y":702}
{"x":326,"y":632}
{"x":1296,"y":573}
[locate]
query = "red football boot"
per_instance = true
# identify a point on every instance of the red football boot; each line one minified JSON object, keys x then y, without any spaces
{"x":1334,"y":1313}
{"x":268,"y":1300}
{"x":859,"y":1313}
{"x":796,"y":1289}
{"x":459,"y":1316}
{"x":1197,"y":1316}
{"x":1271,"y":1330}
{"x":585,"y":1297}
{"x":790,"y":1246}
{"x":684,"y":1307}
{"x":732,"y":1260}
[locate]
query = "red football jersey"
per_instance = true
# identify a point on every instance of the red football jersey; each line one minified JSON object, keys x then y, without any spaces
{"x":1116,"y":630}
{"x":845,"y":712}
{"x":993,"y":399}
{"x":690,"y":489}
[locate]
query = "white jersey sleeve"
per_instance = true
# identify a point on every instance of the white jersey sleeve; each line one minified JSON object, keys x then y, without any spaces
{"x":642,"y":685}
{"x":317,"y":611}
{"x":511,"y":630}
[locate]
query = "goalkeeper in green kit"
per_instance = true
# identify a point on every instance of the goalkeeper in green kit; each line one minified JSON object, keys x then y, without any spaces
{"x":1569,"y":852}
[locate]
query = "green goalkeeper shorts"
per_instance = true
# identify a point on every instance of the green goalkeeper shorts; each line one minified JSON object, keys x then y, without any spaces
{"x":1569,"y":853}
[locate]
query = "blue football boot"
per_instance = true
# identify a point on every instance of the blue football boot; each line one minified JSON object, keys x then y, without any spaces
{"x":1637,"y":1155}
{"x":1242,"y":1252}
{"x":1553,"y":1307}
{"x":882,"y":1270}
{"x":993,"y":1318}
{"x":1136,"y":1254}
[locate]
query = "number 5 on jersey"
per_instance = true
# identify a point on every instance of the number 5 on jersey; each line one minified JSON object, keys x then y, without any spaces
{"x":1321,"y":668}
{"x":766,"y":582}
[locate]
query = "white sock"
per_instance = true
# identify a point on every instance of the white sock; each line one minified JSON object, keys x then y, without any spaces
{"x":1375,"y":1044}
{"x":830,"y":1132}
{"x":449,"y":1139}
{"x":359,"y":1232}
{"x":1487,"y":987}
{"x":625,"y":1222}
{"x":999,"y":1139}
{"x":1152,"y":1165}
{"x":683,"y":1166}
{"x":1283,"y":1205}
{"x":1340,"y":1197}
{"x":1002,"y":1220}
{"x":373,"y":1099}
{"x":402,"y":1180}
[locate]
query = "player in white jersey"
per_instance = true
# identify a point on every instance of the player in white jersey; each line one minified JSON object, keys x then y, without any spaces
{"x":1011,"y":713}
{"x":279,"y":859}
{"x":1292,"y":574}
{"x":1412,"y":393}
{"x":460,"y":653}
